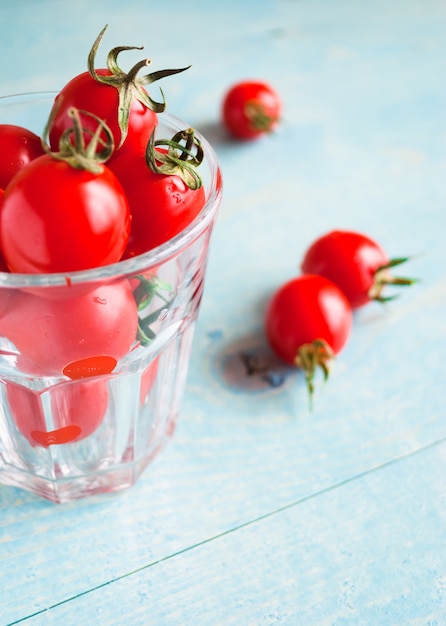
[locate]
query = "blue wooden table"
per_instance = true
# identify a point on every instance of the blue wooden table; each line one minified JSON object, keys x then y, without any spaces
{"x":260,"y":512}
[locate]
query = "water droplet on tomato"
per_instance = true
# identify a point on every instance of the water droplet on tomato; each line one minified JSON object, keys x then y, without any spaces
{"x":100,"y":300}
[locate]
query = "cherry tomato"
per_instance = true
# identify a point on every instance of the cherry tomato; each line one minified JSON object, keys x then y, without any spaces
{"x":77,"y":410}
{"x":161,"y":205}
{"x":18,"y":146}
{"x":118,"y":98}
{"x":79,"y":337}
{"x":85,"y":93}
{"x":251,"y":109}
{"x":355,"y":263}
{"x":57,"y":218}
{"x":308,"y":320}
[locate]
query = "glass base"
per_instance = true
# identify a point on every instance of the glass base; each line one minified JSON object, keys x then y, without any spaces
{"x":62,"y":490}
{"x":139,"y":420}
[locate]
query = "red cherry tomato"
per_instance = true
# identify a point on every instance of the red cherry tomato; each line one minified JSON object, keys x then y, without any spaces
{"x":355,"y":263}
{"x":114,"y":96}
{"x":87,"y":94}
{"x":79,"y":337}
{"x":77,"y":410}
{"x":161,"y":205}
{"x":250,"y":109}
{"x":57,"y":218}
{"x":308,"y":320}
{"x":18,"y":146}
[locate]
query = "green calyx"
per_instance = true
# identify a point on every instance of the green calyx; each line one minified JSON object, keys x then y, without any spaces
{"x":258,"y":118}
{"x":383,"y":277}
{"x":74,"y":150}
{"x":184,"y":154}
{"x":129,"y":85}
{"x":310,"y":357}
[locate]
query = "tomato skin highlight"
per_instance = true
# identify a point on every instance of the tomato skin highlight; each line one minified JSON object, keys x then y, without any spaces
{"x":56,"y":218}
{"x":350,"y":260}
{"x":305,"y":309}
{"x":87,"y":94}
{"x":251,"y":109}
{"x":161,"y":205}
{"x":18,"y":146}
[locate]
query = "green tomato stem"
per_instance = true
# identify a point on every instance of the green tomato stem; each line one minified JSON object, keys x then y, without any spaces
{"x":72,"y":146}
{"x":383,"y":277}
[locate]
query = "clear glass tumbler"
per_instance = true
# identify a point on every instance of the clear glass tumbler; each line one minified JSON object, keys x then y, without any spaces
{"x":93,"y":364}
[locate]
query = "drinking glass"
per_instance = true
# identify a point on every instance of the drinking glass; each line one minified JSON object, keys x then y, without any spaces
{"x":93,"y":364}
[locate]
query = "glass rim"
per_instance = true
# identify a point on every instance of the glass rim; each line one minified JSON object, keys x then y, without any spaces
{"x":139,"y":263}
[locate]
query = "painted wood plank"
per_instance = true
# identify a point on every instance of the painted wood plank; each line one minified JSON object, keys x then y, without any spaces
{"x":369,"y":551}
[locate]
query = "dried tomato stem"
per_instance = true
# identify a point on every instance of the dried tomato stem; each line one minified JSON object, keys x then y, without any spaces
{"x":181,"y":160}
{"x":259,"y":120}
{"x":310,"y":357}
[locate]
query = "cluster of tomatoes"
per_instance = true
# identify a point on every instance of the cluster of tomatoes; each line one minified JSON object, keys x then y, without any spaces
{"x":309,"y":318}
{"x":99,"y":186}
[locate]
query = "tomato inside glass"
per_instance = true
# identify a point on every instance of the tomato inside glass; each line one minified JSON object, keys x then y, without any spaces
{"x":161,"y":205}
{"x":56,"y":218}
{"x":18,"y":146}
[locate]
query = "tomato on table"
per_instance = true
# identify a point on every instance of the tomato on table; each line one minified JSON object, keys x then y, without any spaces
{"x":251,"y":109}
{"x":357,"y":264}
{"x":308,"y":321}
